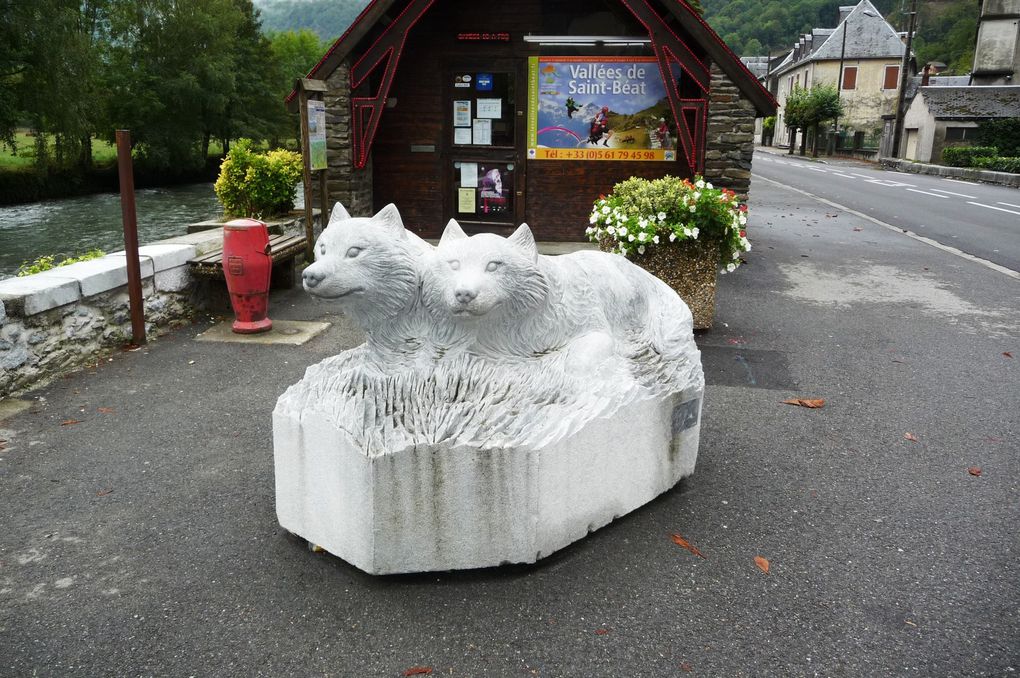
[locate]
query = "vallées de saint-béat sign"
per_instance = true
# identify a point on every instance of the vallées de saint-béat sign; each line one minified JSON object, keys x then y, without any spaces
{"x":611,"y":79}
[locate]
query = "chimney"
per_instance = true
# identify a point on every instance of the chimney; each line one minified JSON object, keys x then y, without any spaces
{"x":926,"y":75}
{"x":844,"y":11}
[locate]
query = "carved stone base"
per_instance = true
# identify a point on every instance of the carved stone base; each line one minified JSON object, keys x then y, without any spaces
{"x":439,"y":506}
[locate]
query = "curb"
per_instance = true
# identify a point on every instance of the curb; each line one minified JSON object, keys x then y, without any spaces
{"x":967,"y":173}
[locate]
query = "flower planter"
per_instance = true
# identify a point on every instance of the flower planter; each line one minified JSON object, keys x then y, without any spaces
{"x":689,"y":267}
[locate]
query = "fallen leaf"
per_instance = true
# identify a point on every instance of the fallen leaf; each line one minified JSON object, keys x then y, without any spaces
{"x":106,"y":410}
{"x":103,"y":493}
{"x":911,"y":623}
{"x":680,"y":541}
{"x":1007,"y":354}
{"x":418,"y":671}
{"x":974,"y":470}
{"x":806,"y":402}
{"x":858,"y":229}
{"x":70,"y":422}
{"x":762,"y":563}
{"x":911,"y":437}
{"x":601,"y":632}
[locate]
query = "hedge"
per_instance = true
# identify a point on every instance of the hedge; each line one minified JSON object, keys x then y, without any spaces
{"x":964,"y":156}
{"x":998,"y":164}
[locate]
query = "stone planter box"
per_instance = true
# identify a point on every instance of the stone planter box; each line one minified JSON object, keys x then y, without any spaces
{"x":690,"y":268}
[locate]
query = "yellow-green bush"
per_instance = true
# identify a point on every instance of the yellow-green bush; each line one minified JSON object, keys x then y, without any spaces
{"x":258,"y":184}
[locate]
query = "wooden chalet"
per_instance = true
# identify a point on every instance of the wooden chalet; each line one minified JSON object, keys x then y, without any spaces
{"x":497,"y":113}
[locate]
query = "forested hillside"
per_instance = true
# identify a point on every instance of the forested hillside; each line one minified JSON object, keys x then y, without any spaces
{"x":327,"y":18}
{"x":945,"y":32}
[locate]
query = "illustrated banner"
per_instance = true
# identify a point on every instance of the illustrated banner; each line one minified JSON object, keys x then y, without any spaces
{"x":317,"y":134}
{"x":611,"y":108}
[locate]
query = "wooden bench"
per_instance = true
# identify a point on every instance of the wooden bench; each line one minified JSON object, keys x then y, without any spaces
{"x":283,"y":249}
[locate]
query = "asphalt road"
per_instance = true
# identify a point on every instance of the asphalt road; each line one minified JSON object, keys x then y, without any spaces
{"x":980,"y":219}
{"x":139,"y":535}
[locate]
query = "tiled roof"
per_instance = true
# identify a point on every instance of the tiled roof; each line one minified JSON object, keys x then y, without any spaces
{"x":978,"y":102}
{"x":914,"y":83}
{"x":868,"y":36}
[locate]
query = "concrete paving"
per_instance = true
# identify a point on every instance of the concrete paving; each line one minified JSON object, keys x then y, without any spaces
{"x":139,"y":534}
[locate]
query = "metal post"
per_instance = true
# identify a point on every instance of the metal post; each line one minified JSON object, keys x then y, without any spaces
{"x":839,"y":81}
{"x":127,"y":207}
{"x":898,"y":125}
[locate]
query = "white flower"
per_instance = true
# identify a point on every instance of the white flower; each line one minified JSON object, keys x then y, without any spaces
{"x":708,"y":186}
{"x":742,"y":219}
{"x":696,"y":196}
{"x":662,"y":216}
{"x":641,"y":249}
{"x":610,"y":230}
{"x":589,"y":230}
{"x":736,"y":255}
{"x":642,"y":236}
{"x":687,"y":232}
{"x":700,"y":183}
{"x":672,"y":237}
{"x":694,"y":232}
{"x":692,"y":208}
{"x":730,"y":268}
{"x":655,"y":239}
{"x":593,"y":218}
{"x":605,"y":209}
{"x":642,"y":222}
{"x":747,"y":246}
{"x":622,"y":230}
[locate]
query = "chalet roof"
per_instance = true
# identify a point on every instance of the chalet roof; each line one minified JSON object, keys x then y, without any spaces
{"x":972,"y":103}
{"x":758,"y":65}
{"x":690,"y":20}
{"x":868,"y":36}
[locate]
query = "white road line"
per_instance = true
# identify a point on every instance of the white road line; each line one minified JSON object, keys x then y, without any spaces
{"x":992,"y":207}
{"x":862,"y":176}
{"x":845,"y":176}
{"x":1008,"y":204}
{"x":920,"y":238}
{"x":887,"y":183}
{"x":939,"y":190}
{"x":914,"y":190}
{"x":817,"y":169}
{"x":957,"y":181}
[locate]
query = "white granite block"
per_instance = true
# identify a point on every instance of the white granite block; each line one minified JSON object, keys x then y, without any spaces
{"x":98,"y":275}
{"x":175,"y":279}
{"x":37,"y":293}
{"x":165,"y":255}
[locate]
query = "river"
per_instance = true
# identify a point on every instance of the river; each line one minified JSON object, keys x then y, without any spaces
{"x":74,"y":225}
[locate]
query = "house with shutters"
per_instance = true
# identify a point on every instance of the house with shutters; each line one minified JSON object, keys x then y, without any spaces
{"x":527,"y":110}
{"x":862,"y":54}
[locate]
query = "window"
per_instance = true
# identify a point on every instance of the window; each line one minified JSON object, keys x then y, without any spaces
{"x":960,"y":133}
{"x":850,"y":77}
{"x":892,"y":77}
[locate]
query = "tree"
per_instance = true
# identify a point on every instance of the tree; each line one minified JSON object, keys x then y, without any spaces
{"x":822,"y":104}
{"x":795,"y":114}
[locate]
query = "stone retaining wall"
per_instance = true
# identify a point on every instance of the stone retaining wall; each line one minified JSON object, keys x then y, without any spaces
{"x":968,"y":173}
{"x":69,"y":316}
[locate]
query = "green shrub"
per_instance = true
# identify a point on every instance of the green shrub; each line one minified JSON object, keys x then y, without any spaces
{"x":45,"y":263}
{"x":963,"y":156}
{"x":1004,"y":134}
{"x":999,"y":164}
{"x":258,"y":184}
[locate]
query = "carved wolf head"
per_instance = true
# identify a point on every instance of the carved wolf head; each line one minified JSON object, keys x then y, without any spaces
{"x":369,"y":264}
{"x":473,"y":276}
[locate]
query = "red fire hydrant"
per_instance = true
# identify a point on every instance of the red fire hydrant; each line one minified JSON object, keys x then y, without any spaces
{"x":247,"y":267}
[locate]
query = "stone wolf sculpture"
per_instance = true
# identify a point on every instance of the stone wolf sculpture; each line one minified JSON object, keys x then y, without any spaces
{"x":516,"y":302}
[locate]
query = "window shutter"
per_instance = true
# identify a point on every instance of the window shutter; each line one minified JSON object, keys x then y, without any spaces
{"x":850,"y":77}
{"x":892,"y":77}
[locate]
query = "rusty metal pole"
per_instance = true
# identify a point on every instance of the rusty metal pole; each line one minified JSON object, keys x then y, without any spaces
{"x":127,"y":207}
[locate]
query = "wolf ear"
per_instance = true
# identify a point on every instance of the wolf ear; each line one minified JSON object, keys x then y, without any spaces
{"x":524,"y":240}
{"x":339,"y":214}
{"x":452,"y":232}
{"x":390,"y":219}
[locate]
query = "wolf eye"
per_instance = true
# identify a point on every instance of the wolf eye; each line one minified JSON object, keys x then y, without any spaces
{"x":493,"y":265}
{"x":454,"y":264}
{"x":322,"y":249}
{"x":353,"y":252}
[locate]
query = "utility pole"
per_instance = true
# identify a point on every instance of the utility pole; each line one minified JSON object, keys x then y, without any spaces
{"x":898,"y":127}
{"x":839,"y":81}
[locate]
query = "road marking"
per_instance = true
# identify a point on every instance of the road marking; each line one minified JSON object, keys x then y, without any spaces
{"x":845,"y":176}
{"x":992,"y":207}
{"x":914,"y":190}
{"x":957,"y":181}
{"x":862,"y":176}
{"x":1008,"y":204}
{"x":910,"y":234}
{"x":817,"y":169}
{"x":887,"y":183}
{"x":939,"y":190}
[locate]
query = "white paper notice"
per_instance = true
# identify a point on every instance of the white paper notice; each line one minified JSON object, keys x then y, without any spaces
{"x":462,"y":113}
{"x":481,"y":132}
{"x":469,"y":175}
{"x":462,"y":135}
{"x":490,"y":108}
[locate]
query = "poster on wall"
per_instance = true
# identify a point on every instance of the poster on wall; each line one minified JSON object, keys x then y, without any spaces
{"x":589,"y":108}
{"x":317,"y":134}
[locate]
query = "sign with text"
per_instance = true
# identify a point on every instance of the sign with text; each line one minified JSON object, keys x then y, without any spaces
{"x":317,"y":134}
{"x":608,"y":108}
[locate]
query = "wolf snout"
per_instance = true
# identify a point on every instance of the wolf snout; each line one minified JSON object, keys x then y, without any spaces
{"x":312,"y":277}
{"x":464,"y":296}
